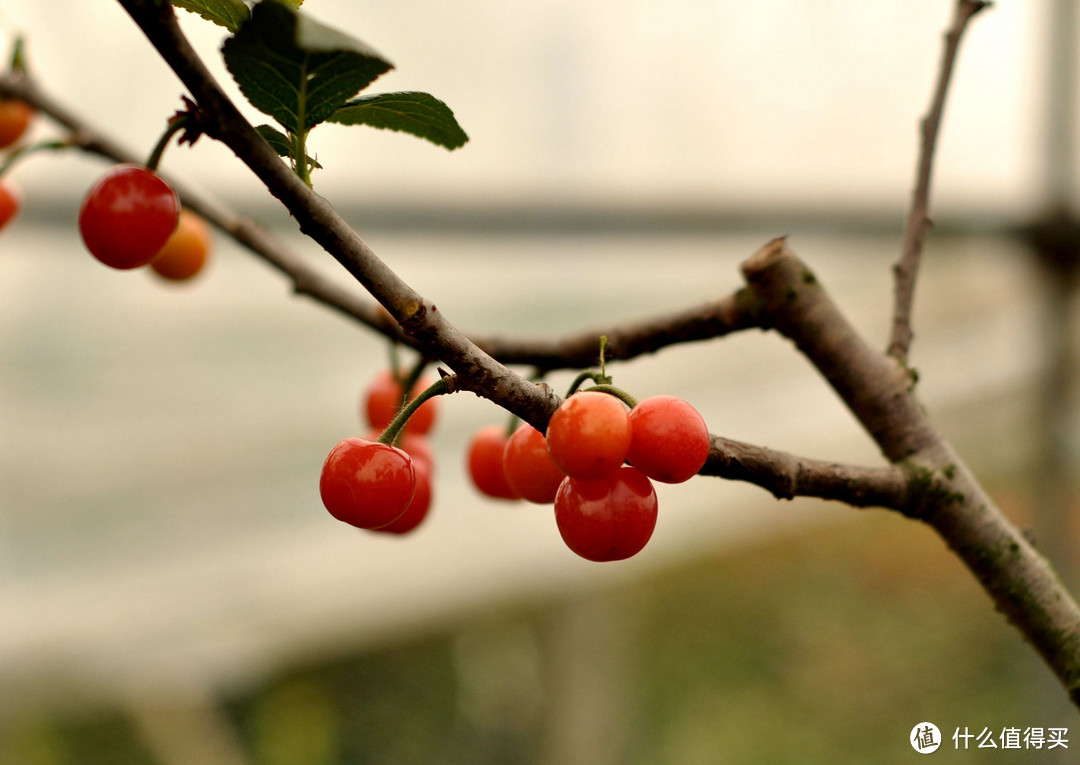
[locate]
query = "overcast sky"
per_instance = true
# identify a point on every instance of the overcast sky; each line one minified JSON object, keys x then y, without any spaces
{"x":615,"y":99}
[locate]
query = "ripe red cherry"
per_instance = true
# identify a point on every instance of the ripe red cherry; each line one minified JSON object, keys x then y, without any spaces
{"x":382,"y":402}
{"x":610,"y":518}
{"x":10,"y":203}
{"x":15,"y":117}
{"x":670,"y":440}
{"x":589,"y":435}
{"x":366,"y":483}
{"x":127,"y":216}
{"x":485,"y":462}
{"x":418,"y":508}
{"x":528,"y":466}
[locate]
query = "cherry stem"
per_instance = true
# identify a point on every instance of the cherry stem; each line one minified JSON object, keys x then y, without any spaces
{"x":438,"y":388}
{"x":589,"y":374}
{"x":618,"y":393}
{"x":408,"y":382}
{"x":600,"y":378}
{"x":21,"y":153}
{"x":174,"y":126}
{"x":578,"y":381}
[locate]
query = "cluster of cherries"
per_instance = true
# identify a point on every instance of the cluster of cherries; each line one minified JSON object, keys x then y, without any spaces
{"x":595,"y":463}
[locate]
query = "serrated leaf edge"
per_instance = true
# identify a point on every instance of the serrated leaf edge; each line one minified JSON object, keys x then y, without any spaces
{"x":377,"y":101}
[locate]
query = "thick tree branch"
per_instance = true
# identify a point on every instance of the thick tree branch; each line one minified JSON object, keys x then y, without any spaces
{"x":918,"y":220}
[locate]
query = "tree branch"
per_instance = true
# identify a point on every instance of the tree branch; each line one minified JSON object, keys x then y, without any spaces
{"x":942,"y":491}
{"x":787,"y":476}
{"x":918,"y":220}
{"x":629,"y":340}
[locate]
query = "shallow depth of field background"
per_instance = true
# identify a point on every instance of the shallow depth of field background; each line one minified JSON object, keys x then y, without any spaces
{"x":171,"y":589}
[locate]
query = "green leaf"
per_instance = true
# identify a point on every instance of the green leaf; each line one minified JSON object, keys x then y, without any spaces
{"x":421,"y":114}
{"x":280,"y":143}
{"x":228,"y":13}
{"x":295,"y":69}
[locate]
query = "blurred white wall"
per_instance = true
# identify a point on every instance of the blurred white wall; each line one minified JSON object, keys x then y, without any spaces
{"x":635,"y":100}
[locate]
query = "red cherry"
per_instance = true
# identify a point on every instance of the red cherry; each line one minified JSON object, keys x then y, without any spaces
{"x":418,"y":508}
{"x":589,"y":435}
{"x":610,"y":518}
{"x":128,"y":216}
{"x":366,"y":483}
{"x":670,"y":440}
{"x":10,"y":203}
{"x":528,"y":466}
{"x":485,"y":462}
{"x":382,"y":402}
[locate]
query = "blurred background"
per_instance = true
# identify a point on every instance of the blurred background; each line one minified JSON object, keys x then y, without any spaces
{"x":171,"y":589}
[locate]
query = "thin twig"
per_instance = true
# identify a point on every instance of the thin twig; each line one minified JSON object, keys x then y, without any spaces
{"x":918,"y":220}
